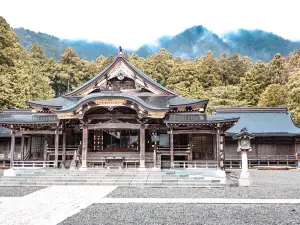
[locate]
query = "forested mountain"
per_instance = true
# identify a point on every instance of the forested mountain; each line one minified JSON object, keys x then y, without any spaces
{"x":54,"y":46}
{"x":258,"y":44}
{"x":191,"y":43}
{"x":226,"y":80}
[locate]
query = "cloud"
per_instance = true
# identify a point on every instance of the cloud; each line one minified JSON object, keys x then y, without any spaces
{"x":131,"y":23}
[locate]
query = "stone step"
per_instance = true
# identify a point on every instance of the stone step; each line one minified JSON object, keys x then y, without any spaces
{"x":108,"y":180}
{"x":116,"y":184}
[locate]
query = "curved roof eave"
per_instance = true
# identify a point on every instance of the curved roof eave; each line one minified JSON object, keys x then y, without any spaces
{"x":95,"y":96}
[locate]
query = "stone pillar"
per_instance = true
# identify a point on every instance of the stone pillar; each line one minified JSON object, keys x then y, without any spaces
{"x":64,"y":149}
{"x":10,"y":171}
{"x":221,"y":149}
{"x":84,"y":147}
{"x":56,"y":147}
{"x":45,"y":150}
{"x":22,"y":146}
{"x":244,"y":145}
{"x":172,"y":148}
{"x":245,"y":179}
{"x":142,"y":147}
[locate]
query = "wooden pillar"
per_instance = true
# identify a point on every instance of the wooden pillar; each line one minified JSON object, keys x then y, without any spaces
{"x":142,"y":147}
{"x":84,"y":146}
{"x":12,"y":148}
{"x":191,"y":147}
{"x":218,"y":147}
{"x":45,"y":149}
{"x":56,"y":148}
{"x":22,"y":146}
{"x":172,"y":148}
{"x":64,"y":148}
{"x":29,"y":146}
{"x":154,"y":151}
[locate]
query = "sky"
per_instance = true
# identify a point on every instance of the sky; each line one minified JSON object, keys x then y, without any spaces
{"x":132,"y":23}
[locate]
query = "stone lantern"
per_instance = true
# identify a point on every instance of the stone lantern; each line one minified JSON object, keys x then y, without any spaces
{"x":244,"y":145}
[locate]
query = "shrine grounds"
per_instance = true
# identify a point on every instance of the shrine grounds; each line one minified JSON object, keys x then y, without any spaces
{"x":266,"y":184}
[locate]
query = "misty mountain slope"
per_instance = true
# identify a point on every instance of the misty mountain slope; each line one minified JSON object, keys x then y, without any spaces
{"x":191,"y":43}
{"x":54,"y":46}
{"x":195,"y":42}
{"x":51,"y":44}
{"x":258,"y":44}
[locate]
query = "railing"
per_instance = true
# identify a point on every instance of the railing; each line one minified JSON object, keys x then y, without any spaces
{"x":94,"y":162}
{"x":26,"y":155}
{"x":184,"y":148}
{"x":234,"y":161}
{"x":60,"y":148}
{"x":33,"y":164}
{"x":6,"y":156}
{"x":134,"y":162}
{"x":195,"y":164}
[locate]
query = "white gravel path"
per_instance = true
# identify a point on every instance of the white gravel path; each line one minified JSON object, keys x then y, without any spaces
{"x":50,"y":205}
{"x":175,"y":214}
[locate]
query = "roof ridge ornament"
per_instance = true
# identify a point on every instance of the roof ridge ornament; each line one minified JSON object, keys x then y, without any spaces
{"x":120,"y":51}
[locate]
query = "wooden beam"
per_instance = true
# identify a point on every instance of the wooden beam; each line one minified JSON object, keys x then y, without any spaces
{"x":193,"y":132}
{"x":40,"y":132}
{"x":112,"y":116}
{"x":113,"y":126}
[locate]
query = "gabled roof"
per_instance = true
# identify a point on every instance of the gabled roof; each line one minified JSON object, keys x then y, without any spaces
{"x":118,"y":58}
{"x":260,"y":121}
{"x":163,"y":98}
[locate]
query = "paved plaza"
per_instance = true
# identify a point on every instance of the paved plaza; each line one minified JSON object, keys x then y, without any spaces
{"x":274,"y":198}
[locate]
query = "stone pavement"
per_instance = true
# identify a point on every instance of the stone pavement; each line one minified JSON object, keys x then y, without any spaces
{"x":50,"y":205}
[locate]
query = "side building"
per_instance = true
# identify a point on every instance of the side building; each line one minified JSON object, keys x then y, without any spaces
{"x":277,"y":139}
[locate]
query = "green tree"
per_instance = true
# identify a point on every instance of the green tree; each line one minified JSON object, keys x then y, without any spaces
{"x":273,"y":95}
{"x":277,"y":71}
{"x":158,"y":66}
{"x":253,"y":84}
{"x":224,"y":96}
{"x":293,"y":99}
{"x":208,"y":70}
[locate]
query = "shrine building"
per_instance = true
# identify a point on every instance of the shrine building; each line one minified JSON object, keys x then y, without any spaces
{"x":121,"y":118}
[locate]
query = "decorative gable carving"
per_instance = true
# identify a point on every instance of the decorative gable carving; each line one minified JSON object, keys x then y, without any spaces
{"x":121,"y":71}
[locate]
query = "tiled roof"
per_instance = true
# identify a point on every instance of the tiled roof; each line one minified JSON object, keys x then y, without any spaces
{"x":195,"y":118}
{"x":60,"y":102}
{"x":27,"y":117}
{"x":260,"y":121}
{"x":5,"y":132}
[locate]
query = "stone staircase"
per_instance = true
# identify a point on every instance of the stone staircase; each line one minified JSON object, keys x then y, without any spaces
{"x":134,"y":178}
